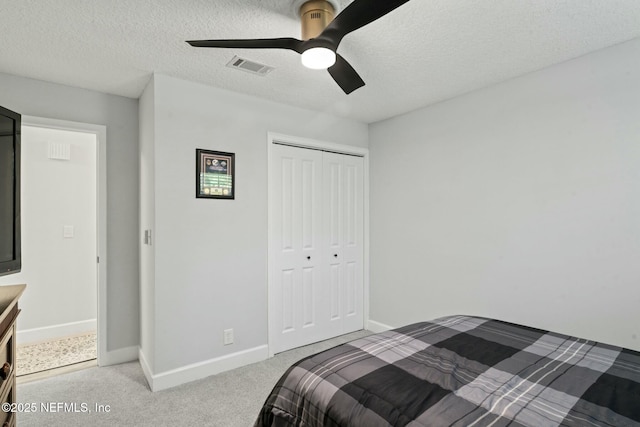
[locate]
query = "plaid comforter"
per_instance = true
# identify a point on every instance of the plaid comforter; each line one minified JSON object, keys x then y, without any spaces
{"x":460,"y":371}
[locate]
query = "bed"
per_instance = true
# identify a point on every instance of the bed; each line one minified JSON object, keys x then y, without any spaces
{"x":460,"y":371}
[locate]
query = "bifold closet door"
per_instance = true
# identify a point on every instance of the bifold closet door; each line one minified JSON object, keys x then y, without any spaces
{"x":316,"y":253}
{"x":297,"y":300}
{"x":343,"y":230}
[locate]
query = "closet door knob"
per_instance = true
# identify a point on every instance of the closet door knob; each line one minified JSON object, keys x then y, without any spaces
{"x":335,"y":255}
{"x":308,"y":257}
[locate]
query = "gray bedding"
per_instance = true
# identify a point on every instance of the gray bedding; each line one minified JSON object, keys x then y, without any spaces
{"x":460,"y":371}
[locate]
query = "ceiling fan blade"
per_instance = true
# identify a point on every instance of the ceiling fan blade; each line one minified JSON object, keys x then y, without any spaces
{"x":278,"y":43}
{"x":357,"y":15}
{"x":344,"y":74}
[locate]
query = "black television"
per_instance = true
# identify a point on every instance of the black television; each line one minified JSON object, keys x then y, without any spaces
{"x":10,"y":253}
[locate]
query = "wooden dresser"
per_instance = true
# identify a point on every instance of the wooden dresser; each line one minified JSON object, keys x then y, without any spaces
{"x":9,"y":311}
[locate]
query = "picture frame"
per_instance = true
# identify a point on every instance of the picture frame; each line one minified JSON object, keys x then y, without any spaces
{"x":215,"y":174}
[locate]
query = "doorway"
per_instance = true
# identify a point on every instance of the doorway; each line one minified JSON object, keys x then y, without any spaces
{"x":64,"y":229}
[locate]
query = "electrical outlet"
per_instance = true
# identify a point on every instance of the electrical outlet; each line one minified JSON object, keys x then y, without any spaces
{"x":228,"y":336}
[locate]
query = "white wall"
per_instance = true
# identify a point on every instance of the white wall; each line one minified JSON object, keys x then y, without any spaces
{"x":519,"y":202}
{"x":120,"y":116}
{"x":211,"y":255}
{"x":61,"y":272}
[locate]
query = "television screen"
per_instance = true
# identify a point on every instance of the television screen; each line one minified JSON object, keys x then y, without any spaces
{"x":10,"y":260}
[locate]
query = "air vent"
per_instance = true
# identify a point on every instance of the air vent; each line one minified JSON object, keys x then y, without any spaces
{"x":316,"y":15}
{"x":59,"y":151}
{"x":249,"y":66}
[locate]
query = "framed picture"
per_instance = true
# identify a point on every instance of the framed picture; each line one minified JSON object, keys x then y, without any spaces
{"x":215,"y":174}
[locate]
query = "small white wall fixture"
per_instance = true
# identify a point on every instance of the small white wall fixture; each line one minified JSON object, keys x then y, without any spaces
{"x":293,"y":141}
{"x":100,"y":132}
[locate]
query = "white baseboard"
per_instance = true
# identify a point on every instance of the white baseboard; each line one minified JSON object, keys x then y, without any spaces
{"x":121,"y":355}
{"x":201,"y":370}
{"x":28,"y":336}
{"x":146,"y":370}
{"x":376,"y":327}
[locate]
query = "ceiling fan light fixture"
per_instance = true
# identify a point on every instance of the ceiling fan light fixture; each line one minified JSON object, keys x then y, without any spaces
{"x":318,"y":58}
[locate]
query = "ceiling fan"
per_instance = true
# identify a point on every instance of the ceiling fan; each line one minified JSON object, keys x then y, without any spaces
{"x":321,"y":35}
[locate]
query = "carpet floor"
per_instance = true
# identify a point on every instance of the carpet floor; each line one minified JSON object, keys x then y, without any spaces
{"x":119,"y":395}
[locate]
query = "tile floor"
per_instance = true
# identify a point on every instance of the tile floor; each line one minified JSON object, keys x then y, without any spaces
{"x":44,"y":356}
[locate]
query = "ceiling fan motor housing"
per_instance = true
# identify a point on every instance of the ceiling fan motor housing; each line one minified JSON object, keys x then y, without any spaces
{"x":315,"y":15}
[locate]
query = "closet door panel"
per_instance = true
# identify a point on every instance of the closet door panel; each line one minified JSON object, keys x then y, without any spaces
{"x":352,"y":242}
{"x":333,"y":222}
{"x":333,"y":200}
{"x":296,"y":267}
{"x":344,"y":232}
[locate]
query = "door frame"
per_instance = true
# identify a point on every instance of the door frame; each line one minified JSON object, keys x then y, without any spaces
{"x":100,"y":132}
{"x":314,"y":144}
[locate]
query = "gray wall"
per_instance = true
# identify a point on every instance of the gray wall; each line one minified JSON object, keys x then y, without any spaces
{"x":211,"y":255}
{"x":520,"y":202}
{"x":120,"y":116}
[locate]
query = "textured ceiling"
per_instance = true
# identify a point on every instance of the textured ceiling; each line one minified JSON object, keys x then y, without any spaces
{"x":423,"y":52}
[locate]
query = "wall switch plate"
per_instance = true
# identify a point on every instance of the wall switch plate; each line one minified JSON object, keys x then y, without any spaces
{"x":67,"y":231}
{"x":228,"y":336}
